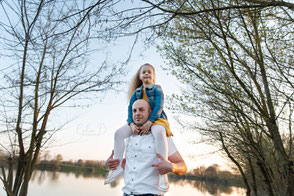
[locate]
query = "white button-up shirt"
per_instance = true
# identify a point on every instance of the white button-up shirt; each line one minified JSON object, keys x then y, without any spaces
{"x":139,"y":175}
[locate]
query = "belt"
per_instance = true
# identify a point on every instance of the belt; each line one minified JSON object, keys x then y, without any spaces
{"x":141,"y":194}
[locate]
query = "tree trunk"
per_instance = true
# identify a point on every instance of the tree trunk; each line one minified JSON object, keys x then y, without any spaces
{"x":244,"y":178}
{"x":254,"y":185}
{"x":267,"y":179}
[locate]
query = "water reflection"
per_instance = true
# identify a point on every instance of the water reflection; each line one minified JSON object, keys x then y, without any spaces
{"x":41,"y":175}
{"x":211,"y":188}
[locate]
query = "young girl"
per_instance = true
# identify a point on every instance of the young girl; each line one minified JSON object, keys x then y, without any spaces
{"x":143,"y":87}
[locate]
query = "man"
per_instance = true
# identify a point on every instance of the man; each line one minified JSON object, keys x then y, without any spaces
{"x":142,"y":167}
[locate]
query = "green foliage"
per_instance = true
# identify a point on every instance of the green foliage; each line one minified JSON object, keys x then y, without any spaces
{"x":80,"y":166}
{"x":203,"y":173}
{"x":237,"y":66}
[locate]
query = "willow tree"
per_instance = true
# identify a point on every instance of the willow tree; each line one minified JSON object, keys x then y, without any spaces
{"x":45,"y":48}
{"x":236,"y":58}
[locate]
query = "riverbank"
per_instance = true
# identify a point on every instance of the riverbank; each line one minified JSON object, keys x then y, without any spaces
{"x":220,"y":180}
{"x":72,"y":168}
{"x":236,"y":182}
{"x":210,"y":175}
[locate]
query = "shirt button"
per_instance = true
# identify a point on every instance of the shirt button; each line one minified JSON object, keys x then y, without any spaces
{"x":149,"y":146}
{"x":134,"y":167}
{"x":136,"y":144}
{"x":135,"y":155}
{"x":132,"y":179}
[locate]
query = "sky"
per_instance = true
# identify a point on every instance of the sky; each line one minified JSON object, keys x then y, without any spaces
{"x":89,"y":135}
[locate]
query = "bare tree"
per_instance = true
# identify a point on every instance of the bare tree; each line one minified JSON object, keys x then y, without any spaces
{"x":46,"y":45}
{"x":237,"y":61}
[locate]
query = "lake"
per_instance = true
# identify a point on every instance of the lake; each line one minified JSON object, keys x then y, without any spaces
{"x":49,"y":183}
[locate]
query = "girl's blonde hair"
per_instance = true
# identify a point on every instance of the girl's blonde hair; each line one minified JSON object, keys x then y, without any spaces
{"x":136,"y":82}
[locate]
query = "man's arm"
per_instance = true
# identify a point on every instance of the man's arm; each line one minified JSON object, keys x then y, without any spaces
{"x":179,"y":166}
{"x":176,"y":164}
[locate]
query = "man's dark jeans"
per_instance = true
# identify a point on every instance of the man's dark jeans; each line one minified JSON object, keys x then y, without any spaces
{"x":141,"y":195}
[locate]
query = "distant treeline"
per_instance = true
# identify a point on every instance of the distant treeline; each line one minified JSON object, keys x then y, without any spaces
{"x":202,"y":173}
{"x":211,"y":174}
{"x":57,"y":163}
{"x":83,"y":166}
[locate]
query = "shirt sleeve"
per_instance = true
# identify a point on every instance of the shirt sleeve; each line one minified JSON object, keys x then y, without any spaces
{"x":171,"y":146}
{"x":130,"y":111}
{"x":158,"y":103}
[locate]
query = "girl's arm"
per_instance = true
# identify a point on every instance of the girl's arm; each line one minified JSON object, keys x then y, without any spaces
{"x":158,"y":104}
{"x":130,"y":111}
{"x":156,"y":110}
{"x":134,"y":128}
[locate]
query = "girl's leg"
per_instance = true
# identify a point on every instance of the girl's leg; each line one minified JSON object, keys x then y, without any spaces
{"x":159,"y":134}
{"x":119,"y":148}
{"x":119,"y":145}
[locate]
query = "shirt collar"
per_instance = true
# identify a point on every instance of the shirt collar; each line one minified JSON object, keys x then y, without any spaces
{"x":150,"y":86}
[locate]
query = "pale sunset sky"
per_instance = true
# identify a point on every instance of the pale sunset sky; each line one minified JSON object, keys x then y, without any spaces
{"x":89,"y":135}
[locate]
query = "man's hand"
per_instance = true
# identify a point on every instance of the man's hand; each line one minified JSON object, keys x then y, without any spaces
{"x":145,"y":128}
{"x":112,"y":163}
{"x":163,"y":166}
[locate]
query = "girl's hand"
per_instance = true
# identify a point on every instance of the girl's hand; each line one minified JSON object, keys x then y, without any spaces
{"x":135,"y":129}
{"x":146,"y":127}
